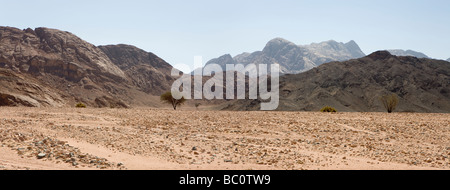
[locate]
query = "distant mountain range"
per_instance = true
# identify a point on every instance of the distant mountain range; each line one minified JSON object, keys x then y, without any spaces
{"x":49,"y":67}
{"x":448,"y":59}
{"x":422,"y":85}
{"x":294,"y":58}
{"x":399,"y":52}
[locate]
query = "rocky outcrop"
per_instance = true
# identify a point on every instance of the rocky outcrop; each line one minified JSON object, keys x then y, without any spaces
{"x":68,"y":69}
{"x":145,"y":70}
{"x":55,"y":52}
{"x":109,"y":102}
{"x":22,"y":90}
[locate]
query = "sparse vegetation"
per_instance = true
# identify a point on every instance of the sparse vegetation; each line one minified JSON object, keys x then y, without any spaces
{"x":80,"y":105}
{"x":390,"y":102}
{"x":328,"y":109}
{"x":168,"y":98}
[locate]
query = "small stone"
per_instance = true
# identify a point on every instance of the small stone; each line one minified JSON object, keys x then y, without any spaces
{"x":120,"y":164}
{"x":41,"y":155}
{"x":228,"y":160}
{"x":194,"y":148}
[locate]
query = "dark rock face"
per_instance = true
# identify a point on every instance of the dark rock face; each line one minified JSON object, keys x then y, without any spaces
{"x":294,"y":58}
{"x":9,"y":100}
{"x":52,"y":51}
{"x":67,"y":69}
{"x":422,"y":85}
{"x":145,"y":70}
{"x":379,"y":55}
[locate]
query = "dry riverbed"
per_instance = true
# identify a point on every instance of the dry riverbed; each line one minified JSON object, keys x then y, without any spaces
{"x":66,"y":138}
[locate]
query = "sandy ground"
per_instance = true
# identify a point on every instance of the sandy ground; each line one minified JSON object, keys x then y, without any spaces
{"x":143,"y":139}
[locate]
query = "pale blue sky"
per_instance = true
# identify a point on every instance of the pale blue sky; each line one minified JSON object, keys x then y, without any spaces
{"x":179,"y":30}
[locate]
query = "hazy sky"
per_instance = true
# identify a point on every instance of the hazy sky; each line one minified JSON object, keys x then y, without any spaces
{"x":179,"y":30}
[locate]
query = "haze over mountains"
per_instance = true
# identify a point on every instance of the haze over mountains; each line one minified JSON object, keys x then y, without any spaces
{"x":294,"y":58}
{"x":399,"y":52}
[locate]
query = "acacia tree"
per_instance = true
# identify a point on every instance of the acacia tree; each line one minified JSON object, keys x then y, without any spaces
{"x":390,"y":102}
{"x":168,"y":98}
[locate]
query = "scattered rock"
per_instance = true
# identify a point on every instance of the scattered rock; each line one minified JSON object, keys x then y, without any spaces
{"x":41,"y":155}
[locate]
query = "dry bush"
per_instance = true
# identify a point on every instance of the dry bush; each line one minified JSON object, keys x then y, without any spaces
{"x":390,"y":102}
{"x":80,"y":105}
{"x":328,"y":109}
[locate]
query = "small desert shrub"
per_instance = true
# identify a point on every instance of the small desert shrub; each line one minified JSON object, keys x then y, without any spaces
{"x":80,"y":105}
{"x":390,"y":102}
{"x":328,"y":109}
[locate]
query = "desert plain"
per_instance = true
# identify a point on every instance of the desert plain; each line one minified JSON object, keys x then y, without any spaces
{"x":164,"y":139}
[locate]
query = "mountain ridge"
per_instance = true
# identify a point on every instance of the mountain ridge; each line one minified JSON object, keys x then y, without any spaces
{"x":356,"y":85}
{"x":50,"y":67}
{"x":294,"y":58}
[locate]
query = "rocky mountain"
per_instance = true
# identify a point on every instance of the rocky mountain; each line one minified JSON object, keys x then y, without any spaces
{"x":422,"y":85}
{"x":448,"y":59}
{"x":294,"y":58}
{"x":49,"y":67}
{"x":399,"y":52}
{"x":145,"y":70}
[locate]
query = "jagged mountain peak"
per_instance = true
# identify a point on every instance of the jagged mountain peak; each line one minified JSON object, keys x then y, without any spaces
{"x":294,"y":58}
{"x":277,"y":44}
{"x":279,"y":40}
{"x":222,"y":60}
{"x":352,"y":44}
